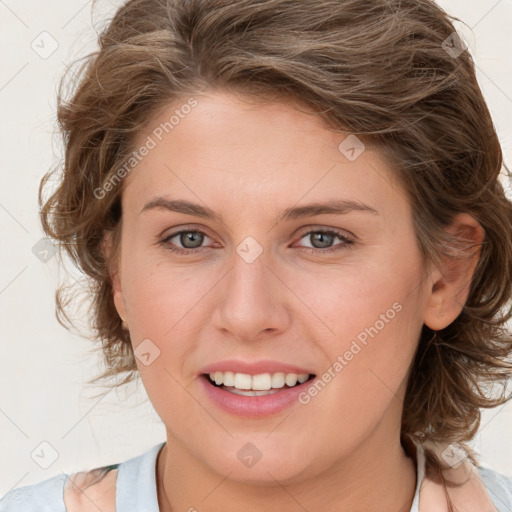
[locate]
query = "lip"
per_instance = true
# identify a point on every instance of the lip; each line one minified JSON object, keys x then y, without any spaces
{"x":253,"y":406}
{"x":253,"y":368}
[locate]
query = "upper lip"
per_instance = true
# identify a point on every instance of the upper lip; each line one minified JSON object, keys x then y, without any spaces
{"x":253,"y":367}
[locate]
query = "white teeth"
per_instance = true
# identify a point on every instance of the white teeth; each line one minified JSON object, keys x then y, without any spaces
{"x":229,"y":379}
{"x":302,"y":378}
{"x":242,"y":381}
{"x":291,"y":379}
{"x":253,"y":393}
{"x":278,"y":380}
{"x":260,"y":382}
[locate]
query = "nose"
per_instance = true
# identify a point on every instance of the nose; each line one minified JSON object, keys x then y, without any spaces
{"x":252,"y":300}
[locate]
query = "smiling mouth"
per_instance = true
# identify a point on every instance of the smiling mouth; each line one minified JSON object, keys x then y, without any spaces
{"x":256,"y":385}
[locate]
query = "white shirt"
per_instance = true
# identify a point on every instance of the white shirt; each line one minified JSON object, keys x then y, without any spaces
{"x":136,"y":489}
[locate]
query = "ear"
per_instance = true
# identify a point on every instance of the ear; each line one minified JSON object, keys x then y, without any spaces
{"x":117,"y":292}
{"x":450,"y":284}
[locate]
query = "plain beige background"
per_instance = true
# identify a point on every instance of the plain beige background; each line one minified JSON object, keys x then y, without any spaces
{"x":43,"y":367}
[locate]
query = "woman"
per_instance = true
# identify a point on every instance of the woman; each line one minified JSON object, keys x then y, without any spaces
{"x":292,"y":217}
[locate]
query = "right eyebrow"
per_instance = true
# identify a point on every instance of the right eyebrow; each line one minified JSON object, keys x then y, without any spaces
{"x":180,"y":206}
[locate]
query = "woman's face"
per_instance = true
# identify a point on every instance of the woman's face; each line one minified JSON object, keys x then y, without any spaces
{"x":256,"y":294}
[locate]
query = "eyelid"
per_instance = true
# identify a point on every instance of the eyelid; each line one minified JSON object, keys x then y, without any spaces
{"x":303,"y":231}
{"x":172,"y":232}
{"x":346,"y":240}
{"x":320,"y":227}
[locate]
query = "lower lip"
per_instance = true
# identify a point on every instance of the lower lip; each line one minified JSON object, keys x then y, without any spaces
{"x":253,"y":406}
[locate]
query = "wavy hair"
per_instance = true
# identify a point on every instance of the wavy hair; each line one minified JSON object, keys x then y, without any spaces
{"x":387,"y":71}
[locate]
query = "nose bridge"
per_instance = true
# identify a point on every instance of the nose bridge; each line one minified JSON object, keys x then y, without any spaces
{"x":249,"y":285}
{"x":250,"y":301}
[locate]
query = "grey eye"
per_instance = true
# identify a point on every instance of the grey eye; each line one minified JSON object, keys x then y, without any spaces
{"x":320,"y":240}
{"x":191,"y":239}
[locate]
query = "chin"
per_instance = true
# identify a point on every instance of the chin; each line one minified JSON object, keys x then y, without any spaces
{"x":251,"y":465}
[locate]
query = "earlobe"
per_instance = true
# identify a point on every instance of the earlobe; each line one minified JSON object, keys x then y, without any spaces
{"x":450,"y":285}
{"x":120,"y":306}
{"x":117,"y":291}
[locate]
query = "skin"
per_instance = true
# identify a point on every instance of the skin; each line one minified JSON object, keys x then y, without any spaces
{"x":248,"y":163}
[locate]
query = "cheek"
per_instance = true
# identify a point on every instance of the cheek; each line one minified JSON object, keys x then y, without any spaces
{"x":161,"y":298}
{"x":163,"y":310}
{"x":370,"y":323}
{"x":361,"y":301}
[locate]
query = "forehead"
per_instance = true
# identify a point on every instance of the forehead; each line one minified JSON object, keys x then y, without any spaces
{"x":218,"y":145}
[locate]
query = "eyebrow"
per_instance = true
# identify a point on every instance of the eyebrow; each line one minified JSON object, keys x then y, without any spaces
{"x":333,"y":207}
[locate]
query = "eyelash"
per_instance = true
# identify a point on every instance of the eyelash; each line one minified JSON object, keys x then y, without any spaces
{"x":347,"y":242}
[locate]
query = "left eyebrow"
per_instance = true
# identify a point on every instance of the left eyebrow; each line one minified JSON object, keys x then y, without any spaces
{"x":334,"y":207}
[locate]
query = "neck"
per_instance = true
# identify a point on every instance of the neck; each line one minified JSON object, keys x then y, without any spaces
{"x":379,"y":476}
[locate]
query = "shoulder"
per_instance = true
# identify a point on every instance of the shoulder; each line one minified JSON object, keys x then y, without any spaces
{"x":91,"y":491}
{"x":45,"y":496}
{"x":499,"y":488}
{"x":80,"y":492}
{"x":130,"y":484}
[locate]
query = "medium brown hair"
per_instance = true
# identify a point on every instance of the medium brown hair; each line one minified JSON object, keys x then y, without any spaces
{"x":380,"y":70}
